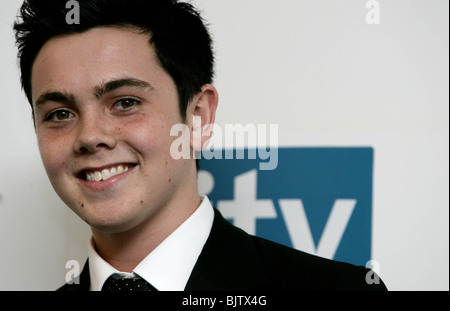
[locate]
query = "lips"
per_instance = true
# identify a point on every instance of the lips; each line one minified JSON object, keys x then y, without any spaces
{"x":104,"y":173}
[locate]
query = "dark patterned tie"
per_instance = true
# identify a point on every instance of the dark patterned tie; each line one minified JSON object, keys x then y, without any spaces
{"x":118,"y":283}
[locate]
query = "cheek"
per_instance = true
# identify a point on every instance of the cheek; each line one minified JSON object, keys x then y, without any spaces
{"x":150,"y":138}
{"x":54,"y":154}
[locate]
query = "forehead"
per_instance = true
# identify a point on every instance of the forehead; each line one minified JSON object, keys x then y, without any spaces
{"x":94,"y":56}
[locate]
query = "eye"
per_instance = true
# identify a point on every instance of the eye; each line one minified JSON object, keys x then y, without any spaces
{"x":59,"y":115}
{"x":126,"y":104}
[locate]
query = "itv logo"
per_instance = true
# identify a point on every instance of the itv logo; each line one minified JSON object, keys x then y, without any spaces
{"x":318,"y":200}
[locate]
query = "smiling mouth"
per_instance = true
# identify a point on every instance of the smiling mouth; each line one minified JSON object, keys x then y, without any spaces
{"x":105,"y":173}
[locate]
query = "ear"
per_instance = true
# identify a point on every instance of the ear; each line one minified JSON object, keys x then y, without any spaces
{"x":201,"y":116}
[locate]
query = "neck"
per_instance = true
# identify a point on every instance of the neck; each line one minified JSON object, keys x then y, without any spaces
{"x":125,"y":250}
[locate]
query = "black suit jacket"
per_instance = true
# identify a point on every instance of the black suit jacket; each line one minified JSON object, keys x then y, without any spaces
{"x":234,"y":260}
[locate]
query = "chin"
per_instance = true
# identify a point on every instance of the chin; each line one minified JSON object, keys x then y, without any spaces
{"x":111,"y":226}
{"x":108,"y":218}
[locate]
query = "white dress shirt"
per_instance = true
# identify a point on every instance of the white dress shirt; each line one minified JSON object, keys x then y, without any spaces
{"x":169,"y":265}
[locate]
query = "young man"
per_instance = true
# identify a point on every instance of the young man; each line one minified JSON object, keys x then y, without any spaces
{"x":105,"y":93}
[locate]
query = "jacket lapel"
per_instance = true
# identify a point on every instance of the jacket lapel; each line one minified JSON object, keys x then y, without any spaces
{"x":229,"y":260}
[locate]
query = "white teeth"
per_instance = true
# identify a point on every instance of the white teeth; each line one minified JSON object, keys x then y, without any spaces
{"x":106,"y":173}
{"x":98,"y":176}
{"x":120,"y":169}
{"x":113,"y":172}
{"x":90,"y":177}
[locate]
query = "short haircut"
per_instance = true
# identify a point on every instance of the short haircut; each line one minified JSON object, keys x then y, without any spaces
{"x":178,"y":33}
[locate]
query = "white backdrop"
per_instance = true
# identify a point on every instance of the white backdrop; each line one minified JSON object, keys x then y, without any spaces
{"x":321,"y":72}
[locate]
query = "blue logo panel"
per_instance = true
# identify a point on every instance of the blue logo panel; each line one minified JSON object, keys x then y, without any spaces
{"x":318,"y":200}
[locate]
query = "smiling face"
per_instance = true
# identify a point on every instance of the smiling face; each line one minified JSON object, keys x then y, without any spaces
{"x":103,"y":112}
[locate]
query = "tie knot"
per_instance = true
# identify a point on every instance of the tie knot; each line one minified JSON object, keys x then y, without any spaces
{"x":119,"y":283}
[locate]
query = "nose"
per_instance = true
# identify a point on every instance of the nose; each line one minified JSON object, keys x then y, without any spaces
{"x":93,"y":135}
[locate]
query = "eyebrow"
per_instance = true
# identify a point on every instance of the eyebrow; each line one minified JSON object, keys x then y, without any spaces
{"x":113,"y":85}
{"x":54,"y":96}
{"x":99,"y":91}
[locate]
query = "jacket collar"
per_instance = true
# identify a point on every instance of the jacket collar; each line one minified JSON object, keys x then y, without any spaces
{"x":229,"y":260}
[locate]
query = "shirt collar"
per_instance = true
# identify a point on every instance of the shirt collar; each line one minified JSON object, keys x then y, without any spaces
{"x":170,"y":264}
